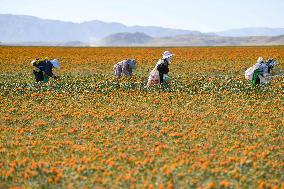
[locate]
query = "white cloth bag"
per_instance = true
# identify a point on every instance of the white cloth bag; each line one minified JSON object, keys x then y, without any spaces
{"x":154,"y":78}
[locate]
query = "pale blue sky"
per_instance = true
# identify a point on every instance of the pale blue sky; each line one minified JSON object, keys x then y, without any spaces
{"x":203,"y":15}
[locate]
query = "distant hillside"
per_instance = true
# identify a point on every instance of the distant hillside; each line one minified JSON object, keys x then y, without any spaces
{"x":254,"y":31}
{"x":18,"y":28}
{"x":29,"y":30}
{"x":73,"y":44}
{"x":161,"y":31}
{"x":140,"y":39}
{"x":190,"y":40}
{"x":126,"y":39}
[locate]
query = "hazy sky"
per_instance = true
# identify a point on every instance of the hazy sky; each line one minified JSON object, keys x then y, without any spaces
{"x":203,"y":15}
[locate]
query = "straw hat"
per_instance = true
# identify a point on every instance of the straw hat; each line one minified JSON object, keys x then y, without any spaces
{"x":167,"y":54}
{"x":260,"y":60}
{"x":55,"y":63}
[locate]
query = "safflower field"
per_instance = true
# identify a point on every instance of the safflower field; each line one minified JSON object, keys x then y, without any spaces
{"x":210,"y":129}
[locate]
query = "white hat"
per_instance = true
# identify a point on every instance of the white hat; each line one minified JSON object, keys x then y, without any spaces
{"x":167,"y":54}
{"x":260,"y":60}
{"x":55,"y":63}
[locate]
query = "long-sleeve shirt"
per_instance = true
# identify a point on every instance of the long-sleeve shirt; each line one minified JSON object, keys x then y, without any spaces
{"x":263,"y":68}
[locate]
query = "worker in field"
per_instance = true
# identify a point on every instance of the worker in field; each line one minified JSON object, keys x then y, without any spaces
{"x":260,"y":72}
{"x":125,"y":68}
{"x":43,"y":69}
{"x":159,"y":75}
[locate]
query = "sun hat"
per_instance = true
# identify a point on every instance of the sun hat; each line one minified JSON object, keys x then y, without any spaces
{"x":167,"y":54}
{"x":55,"y":63}
{"x":260,"y":60}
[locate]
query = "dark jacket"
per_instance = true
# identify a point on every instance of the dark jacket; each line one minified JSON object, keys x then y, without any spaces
{"x":163,"y":68}
{"x":45,"y":66}
{"x":43,"y":70}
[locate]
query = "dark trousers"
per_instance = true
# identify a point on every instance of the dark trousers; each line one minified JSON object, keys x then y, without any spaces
{"x":257,"y":80}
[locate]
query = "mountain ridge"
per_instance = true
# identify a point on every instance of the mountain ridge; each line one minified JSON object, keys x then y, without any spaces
{"x":190,"y":40}
{"x":24,"y":29}
{"x":252,"y":31}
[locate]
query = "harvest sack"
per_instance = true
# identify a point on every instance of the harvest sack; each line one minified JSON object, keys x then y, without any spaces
{"x":154,"y":78}
{"x":249,"y":73}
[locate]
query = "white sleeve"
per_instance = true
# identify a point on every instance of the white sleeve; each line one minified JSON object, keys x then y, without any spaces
{"x":32,"y":62}
{"x":256,"y":66}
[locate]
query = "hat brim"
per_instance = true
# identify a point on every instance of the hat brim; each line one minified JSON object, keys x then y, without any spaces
{"x":168,"y":56}
{"x":57,"y":67}
{"x":55,"y":64}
